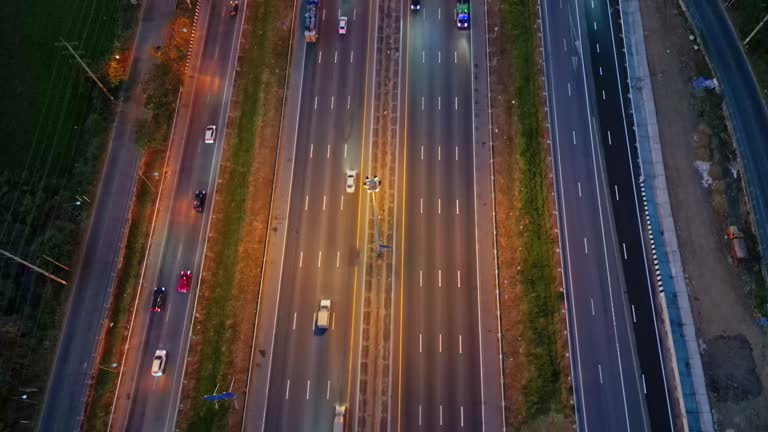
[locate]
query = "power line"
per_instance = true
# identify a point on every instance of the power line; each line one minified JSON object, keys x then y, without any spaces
{"x":34,"y":267}
{"x":87,"y":69}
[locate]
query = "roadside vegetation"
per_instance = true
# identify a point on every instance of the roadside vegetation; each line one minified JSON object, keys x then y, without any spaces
{"x":746,"y":16}
{"x":219,"y":351}
{"x":56,"y":125}
{"x":729,"y":199}
{"x":163,"y":83}
{"x":534,"y":344}
{"x":161,"y":90}
{"x":110,"y":356}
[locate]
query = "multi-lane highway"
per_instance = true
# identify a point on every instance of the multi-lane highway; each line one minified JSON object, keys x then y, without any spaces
{"x":600,"y":225}
{"x":297,"y":375}
{"x":441,"y":382}
{"x":145,"y":402}
{"x":300,"y":373}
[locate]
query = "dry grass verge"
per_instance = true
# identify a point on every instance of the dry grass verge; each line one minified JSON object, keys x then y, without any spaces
{"x":534,"y":342}
{"x":219,"y":350}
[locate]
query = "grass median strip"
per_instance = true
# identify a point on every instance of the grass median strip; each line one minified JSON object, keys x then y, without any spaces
{"x":533,"y":343}
{"x":219,"y":350}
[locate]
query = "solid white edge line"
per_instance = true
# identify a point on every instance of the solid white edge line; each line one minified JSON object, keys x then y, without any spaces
{"x":144,"y":265}
{"x":395,"y":245}
{"x":474,"y":199}
{"x":562,"y":221}
{"x":288,"y":210}
{"x":222,"y":120}
{"x":602,"y":224}
{"x":374,"y":5}
{"x":637,"y":212}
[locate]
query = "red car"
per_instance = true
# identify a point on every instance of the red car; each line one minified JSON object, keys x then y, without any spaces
{"x":185,"y":280}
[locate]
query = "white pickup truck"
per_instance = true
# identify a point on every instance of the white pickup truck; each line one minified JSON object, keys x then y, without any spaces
{"x":324,"y":314}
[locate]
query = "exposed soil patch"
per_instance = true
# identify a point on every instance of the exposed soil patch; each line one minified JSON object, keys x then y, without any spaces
{"x":722,"y":295}
{"x":730,"y":367}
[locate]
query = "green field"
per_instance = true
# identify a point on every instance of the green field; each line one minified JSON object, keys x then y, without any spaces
{"x":55,"y":127}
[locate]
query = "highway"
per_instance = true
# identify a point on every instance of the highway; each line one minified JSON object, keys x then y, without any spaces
{"x":145,"y":402}
{"x":441,"y":384}
{"x":601,"y":243}
{"x":296,"y":375}
{"x":300,"y":373}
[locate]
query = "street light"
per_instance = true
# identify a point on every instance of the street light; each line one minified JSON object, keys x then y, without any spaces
{"x":372,"y":185}
{"x":111,"y":367}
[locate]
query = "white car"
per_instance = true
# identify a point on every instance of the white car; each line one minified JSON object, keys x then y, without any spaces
{"x":351,"y":181}
{"x":158,"y":363}
{"x":343,"y":25}
{"x":210,"y":134}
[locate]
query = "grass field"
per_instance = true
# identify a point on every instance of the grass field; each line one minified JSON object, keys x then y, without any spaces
{"x":55,"y":126}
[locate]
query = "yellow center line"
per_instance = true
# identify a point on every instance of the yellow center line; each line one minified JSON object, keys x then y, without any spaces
{"x":359,"y":201}
{"x":402,"y":238}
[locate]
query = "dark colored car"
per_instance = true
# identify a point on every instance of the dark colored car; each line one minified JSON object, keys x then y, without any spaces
{"x":185,"y":280}
{"x":199,"y":202}
{"x":234,"y":7}
{"x":158,"y":299}
{"x":415,"y":5}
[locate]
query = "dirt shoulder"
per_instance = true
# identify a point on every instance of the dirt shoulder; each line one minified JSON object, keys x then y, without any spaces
{"x":734,"y":350}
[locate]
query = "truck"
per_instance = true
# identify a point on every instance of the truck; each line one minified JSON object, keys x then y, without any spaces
{"x":310,"y":20}
{"x":324,"y":314}
{"x":338,"y":419}
{"x":738,"y":244}
{"x":462,"y":14}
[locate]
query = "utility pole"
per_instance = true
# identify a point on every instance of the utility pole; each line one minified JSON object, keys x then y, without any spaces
{"x":746,"y":41}
{"x":33,"y":267}
{"x":87,"y":69}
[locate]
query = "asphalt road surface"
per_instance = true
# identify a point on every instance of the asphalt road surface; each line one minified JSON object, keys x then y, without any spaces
{"x":602,"y":246}
{"x":307,"y":371}
{"x":623,"y":173}
{"x":441,"y":384}
{"x":71,"y":372}
{"x":151,"y":402}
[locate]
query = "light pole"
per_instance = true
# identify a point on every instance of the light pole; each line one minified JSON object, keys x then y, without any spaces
{"x":111,"y":367}
{"x":372,"y":186}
